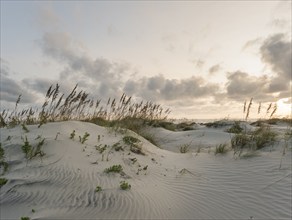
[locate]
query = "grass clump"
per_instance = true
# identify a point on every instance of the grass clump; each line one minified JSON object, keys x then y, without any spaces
{"x":101,"y":149}
{"x":130,"y":140}
{"x":135,"y":144}
{"x":118,"y":147}
{"x":2,"y":161}
{"x":98,"y":189}
{"x":25,"y":218}
{"x":114,"y":169}
{"x":3,"y":181}
{"x":124,"y":185}
{"x":262,"y":136}
{"x":30,"y":151}
{"x":235,"y":128}
{"x":2,"y":152}
{"x":72,"y":135}
{"x":221,"y":149}
{"x":184,"y":148}
{"x":255,"y":140}
{"x":26,"y":148}
{"x":84,"y":138}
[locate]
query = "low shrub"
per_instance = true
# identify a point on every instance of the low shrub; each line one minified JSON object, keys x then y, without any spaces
{"x":124,"y":185}
{"x":114,"y":169}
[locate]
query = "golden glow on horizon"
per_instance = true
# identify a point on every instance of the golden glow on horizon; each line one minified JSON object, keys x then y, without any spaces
{"x":284,"y":108}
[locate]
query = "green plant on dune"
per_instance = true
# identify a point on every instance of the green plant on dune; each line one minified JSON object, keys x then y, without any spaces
{"x":114,"y":169}
{"x":2,"y":152}
{"x":24,"y":128}
{"x":26,"y":148}
{"x":262,"y":136}
{"x":3,"y":181}
{"x":30,"y":151}
{"x":72,"y":135}
{"x":98,"y":189}
{"x":255,"y":140}
{"x":221,"y":149}
{"x":185,"y":148}
{"x":84,"y":138}
{"x":130,"y":140}
{"x":2,"y":160}
{"x":101,"y":149}
{"x":134,"y":143}
{"x":25,"y":218}
{"x":235,"y":128}
{"x":124,"y":185}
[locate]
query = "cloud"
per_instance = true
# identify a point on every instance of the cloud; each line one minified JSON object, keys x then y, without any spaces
{"x":159,"y":88}
{"x":214,"y":69}
{"x":252,"y":43}
{"x":276,"y":53}
{"x":241,"y":85}
{"x":103,"y":76}
{"x":11,"y":89}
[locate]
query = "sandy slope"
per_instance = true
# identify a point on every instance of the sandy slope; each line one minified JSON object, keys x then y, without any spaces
{"x":174,"y":185}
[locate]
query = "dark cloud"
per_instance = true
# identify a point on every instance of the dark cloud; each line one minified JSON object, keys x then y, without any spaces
{"x":38,"y":85}
{"x":10,"y":90}
{"x":160,"y":88}
{"x":276,"y":52}
{"x":241,"y":85}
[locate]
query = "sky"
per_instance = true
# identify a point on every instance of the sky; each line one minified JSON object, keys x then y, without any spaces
{"x":201,"y":59}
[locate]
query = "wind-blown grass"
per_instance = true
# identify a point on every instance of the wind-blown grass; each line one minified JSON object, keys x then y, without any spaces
{"x":78,"y":106}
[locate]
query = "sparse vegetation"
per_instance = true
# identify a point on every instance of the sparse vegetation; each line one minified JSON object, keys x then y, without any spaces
{"x":235,"y":128}
{"x":185,"y":148}
{"x":255,"y":140}
{"x":130,"y":140}
{"x":31,"y":152}
{"x":134,"y":143}
{"x":124,"y":185}
{"x":3,"y":181}
{"x":221,"y":149}
{"x":84,"y":138}
{"x":24,"y":128}
{"x":118,"y":147}
{"x":98,"y":189}
{"x":25,"y":218}
{"x":26,"y":148}
{"x":101,"y":149}
{"x":2,"y":152}
{"x":2,"y":160}
{"x":72,"y":135}
{"x":114,"y":169}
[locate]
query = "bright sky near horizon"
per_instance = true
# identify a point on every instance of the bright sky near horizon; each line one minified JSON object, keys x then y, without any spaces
{"x":202,"y":59}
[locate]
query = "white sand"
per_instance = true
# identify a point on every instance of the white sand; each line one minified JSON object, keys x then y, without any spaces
{"x":194,"y":185}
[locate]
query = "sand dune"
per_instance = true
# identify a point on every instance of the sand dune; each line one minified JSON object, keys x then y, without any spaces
{"x":62,"y":184}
